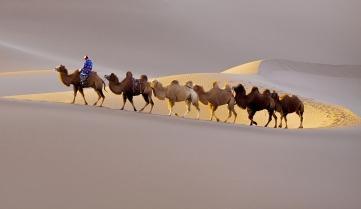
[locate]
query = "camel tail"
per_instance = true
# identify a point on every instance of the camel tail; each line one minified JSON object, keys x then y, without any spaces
{"x":104,"y":86}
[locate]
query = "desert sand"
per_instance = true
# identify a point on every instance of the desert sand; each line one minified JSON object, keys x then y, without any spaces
{"x":57,"y":155}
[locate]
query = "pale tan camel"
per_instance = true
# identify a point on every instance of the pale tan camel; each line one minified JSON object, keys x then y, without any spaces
{"x":175,"y":92}
{"x":216,"y":97}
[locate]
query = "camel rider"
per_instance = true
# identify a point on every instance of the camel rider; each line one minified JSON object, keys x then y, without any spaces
{"x":86,"y":70}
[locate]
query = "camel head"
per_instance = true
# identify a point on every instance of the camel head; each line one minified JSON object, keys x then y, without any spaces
{"x":189,"y":84}
{"x":129,"y":74}
{"x":240,"y":90}
{"x":198,"y":89}
{"x":275,"y":96}
{"x":112,"y":78}
{"x":154,"y":84}
{"x":201,"y":93}
{"x":61,"y":69}
{"x":144,"y":78}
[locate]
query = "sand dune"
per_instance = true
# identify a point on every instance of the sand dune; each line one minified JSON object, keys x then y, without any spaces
{"x":57,"y":155}
{"x":317,"y":114}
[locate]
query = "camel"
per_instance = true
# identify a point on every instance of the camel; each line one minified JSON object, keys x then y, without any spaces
{"x":130,"y":87}
{"x":175,"y":92}
{"x":93,"y":81}
{"x":288,"y":104}
{"x":216,"y":97}
{"x":255,"y":101}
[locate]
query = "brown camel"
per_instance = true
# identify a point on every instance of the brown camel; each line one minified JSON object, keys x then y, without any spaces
{"x":175,"y":92}
{"x":93,"y":81}
{"x":255,"y":101}
{"x":216,"y":97}
{"x":288,"y":104}
{"x":130,"y":87}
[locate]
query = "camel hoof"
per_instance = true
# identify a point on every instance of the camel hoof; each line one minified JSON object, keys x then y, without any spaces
{"x":279,"y":126}
{"x":217,"y":120}
{"x":286,"y":127}
{"x":176,"y":114}
{"x":135,"y":110}
{"x":86,"y":104}
{"x":300,"y":127}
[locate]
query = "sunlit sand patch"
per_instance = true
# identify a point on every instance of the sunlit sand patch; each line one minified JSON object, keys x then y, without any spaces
{"x":248,"y":68}
{"x":26,"y":73}
{"x":317,"y":115}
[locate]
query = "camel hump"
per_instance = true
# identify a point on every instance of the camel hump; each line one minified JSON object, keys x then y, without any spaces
{"x":215,"y":84}
{"x":228,"y":87}
{"x":267,"y":92}
{"x":144,"y":78}
{"x":255,"y":89}
{"x":175,"y":82}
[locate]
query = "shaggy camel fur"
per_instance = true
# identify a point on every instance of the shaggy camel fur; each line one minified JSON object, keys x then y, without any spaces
{"x":130,"y":87}
{"x":93,"y":81}
{"x":216,"y":97}
{"x":175,"y":92}
{"x":255,"y":101}
{"x":288,"y":104}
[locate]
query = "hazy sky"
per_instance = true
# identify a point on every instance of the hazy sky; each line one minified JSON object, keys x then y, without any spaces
{"x":186,"y":35}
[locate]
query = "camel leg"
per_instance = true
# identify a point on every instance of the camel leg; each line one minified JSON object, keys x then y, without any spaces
{"x":146,"y":99}
{"x":170,"y":106}
{"x":130,"y":98}
{"x":99,"y":96}
{"x":286,"y":121}
{"x":229,"y":115}
{"x":282,"y":116}
{"x":275,"y":117}
{"x":196,"y":105}
{"x":270,"y":113}
{"x":75,"y":89}
{"x":82,"y":93}
{"x":124,"y":101}
{"x":300,"y":114}
{"x":250,"y":116}
{"x":103,"y":98}
{"x":230,"y":110}
{"x":151,"y":104}
{"x":235,"y":115}
{"x":188,"y":107}
{"x":214,"y":112}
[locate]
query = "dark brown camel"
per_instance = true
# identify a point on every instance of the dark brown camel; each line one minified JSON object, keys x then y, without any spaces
{"x":255,"y":101}
{"x":288,"y":104}
{"x":93,"y":81}
{"x":130,"y":87}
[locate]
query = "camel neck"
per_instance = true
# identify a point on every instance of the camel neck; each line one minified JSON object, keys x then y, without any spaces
{"x":66,"y":79}
{"x":203,"y":97}
{"x":159,"y":92}
{"x":116,"y":87}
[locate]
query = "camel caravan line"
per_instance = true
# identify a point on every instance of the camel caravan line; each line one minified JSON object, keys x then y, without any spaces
{"x":188,"y":93}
